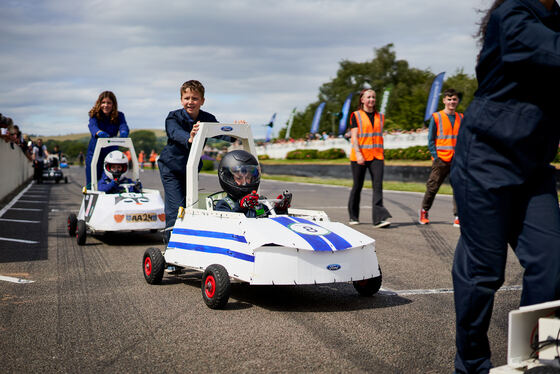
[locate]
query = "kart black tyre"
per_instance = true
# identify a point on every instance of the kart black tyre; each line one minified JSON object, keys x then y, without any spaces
{"x":153,"y":265}
{"x":215,"y":286}
{"x":72,"y":224}
{"x":370,"y":286}
{"x":56,"y":181}
{"x":65,"y":179}
{"x":81,"y":234}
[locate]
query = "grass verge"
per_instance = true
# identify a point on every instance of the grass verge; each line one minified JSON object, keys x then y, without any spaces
{"x":387,"y":185}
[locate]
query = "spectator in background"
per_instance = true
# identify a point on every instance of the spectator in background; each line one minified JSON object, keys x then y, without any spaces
{"x":40,"y":153}
{"x":442,"y":136}
{"x":366,"y":127}
{"x":81,"y":158}
{"x":501,"y":175}
{"x":58,"y":153}
{"x":105,"y":121}
{"x":142,"y":159}
{"x":153,"y":158}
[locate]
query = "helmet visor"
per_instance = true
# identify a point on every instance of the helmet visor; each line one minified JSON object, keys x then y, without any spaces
{"x":245,"y":174}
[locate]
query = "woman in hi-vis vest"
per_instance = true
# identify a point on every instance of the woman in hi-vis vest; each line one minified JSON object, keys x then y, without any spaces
{"x":366,"y":128}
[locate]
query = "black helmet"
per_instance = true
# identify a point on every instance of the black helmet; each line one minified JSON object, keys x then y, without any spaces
{"x":239,"y":173}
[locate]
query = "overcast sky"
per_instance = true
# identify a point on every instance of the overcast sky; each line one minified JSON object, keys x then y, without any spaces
{"x":255,"y":57}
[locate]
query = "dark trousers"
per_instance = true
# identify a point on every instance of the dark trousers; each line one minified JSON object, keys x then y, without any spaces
{"x":379,"y":212}
{"x":38,"y":171}
{"x":174,"y":187}
{"x":440,"y":170}
{"x":525,"y":216}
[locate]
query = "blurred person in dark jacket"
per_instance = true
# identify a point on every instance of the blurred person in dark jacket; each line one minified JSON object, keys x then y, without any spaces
{"x":504,"y":184}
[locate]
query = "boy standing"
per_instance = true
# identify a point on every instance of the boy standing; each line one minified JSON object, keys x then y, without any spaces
{"x":181,"y":126}
{"x":442,"y":137}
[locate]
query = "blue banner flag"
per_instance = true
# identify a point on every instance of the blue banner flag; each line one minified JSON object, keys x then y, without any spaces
{"x":270,"y":126}
{"x":433,"y":99}
{"x":317,"y":118}
{"x":345,"y":110}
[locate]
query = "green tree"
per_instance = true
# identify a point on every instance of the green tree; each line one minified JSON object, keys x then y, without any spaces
{"x":407,"y":102}
{"x":143,"y":140}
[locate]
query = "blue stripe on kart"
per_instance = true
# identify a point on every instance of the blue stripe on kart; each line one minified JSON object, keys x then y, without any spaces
{"x":316,"y":242}
{"x":338,"y":241}
{"x":210,"y":234}
{"x":210,"y":249}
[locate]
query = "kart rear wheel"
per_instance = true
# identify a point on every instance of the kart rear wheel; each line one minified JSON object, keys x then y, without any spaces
{"x":72,"y":224}
{"x":368,"y":287}
{"x":153,"y":265}
{"x":56,"y":181}
{"x":65,"y":179}
{"x":81,"y":234}
{"x":215,"y":286}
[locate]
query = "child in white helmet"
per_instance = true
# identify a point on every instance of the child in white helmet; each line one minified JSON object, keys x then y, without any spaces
{"x":114,"y":169}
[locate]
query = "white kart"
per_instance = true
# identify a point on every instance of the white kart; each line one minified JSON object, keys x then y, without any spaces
{"x":128,"y":211}
{"x":298,"y":248}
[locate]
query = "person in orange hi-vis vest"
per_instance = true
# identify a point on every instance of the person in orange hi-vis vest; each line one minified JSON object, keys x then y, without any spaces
{"x":442,"y":137}
{"x":153,"y":158}
{"x":142,"y":159}
{"x":366,"y":128}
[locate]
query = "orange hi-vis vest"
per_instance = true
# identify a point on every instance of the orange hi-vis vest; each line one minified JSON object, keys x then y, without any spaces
{"x":446,"y":134}
{"x":370,"y":137}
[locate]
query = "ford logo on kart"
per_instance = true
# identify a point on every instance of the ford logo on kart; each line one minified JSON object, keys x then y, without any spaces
{"x":227,"y":128}
{"x":333,"y":267}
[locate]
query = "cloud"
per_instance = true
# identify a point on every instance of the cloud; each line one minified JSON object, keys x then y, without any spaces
{"x":254,"y":57}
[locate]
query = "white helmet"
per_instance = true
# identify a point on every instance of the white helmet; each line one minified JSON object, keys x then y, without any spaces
{"x":115,"y":158}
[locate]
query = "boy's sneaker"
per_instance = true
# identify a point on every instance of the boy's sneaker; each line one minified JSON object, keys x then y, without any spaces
{"x":423,"y":217}
{"x":382,"y":224}
{"x":456,"y":222}
{"x":354,"y":222}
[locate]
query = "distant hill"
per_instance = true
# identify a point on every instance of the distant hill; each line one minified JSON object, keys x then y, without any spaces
{"x":61,"y":138}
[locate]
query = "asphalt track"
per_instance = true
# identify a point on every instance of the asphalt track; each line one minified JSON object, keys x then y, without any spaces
{"x":65,"y":308}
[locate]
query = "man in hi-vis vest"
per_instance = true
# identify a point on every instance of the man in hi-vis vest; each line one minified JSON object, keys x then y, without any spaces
{"x":442,"y":137}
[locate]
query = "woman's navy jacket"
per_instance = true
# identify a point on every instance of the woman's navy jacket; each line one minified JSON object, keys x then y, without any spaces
{"x":113,"y":129}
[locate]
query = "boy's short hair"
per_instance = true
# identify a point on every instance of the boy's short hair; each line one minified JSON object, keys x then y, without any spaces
{"x":192,"y":85}
{"x":450,"y":92}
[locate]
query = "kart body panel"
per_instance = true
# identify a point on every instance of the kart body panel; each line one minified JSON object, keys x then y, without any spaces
{"x":301,"y":247}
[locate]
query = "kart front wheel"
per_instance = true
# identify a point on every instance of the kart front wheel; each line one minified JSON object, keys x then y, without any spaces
{"x":368,"y":287}
{"x":215,"y":286}
{"x":81,"y":234}
{"x":72,"y":224}
{"x":153,"y":265}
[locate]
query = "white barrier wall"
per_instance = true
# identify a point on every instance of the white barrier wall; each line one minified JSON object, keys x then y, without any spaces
{"x":15,"y":168}
{"x":390,"y":141}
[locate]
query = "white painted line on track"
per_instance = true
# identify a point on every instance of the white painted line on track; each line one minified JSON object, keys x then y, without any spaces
{"x":387,"y":292}
{"x":18,"y":220}
{"x":19,"y":240}
{"x":14,"y":200}
{"x":27,"y":209}
{"x":15,"y":280}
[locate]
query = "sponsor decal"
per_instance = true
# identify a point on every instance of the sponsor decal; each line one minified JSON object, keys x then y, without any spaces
{"x":90,"y":200}
{"x":161,"y":216}
{"x":130,"y":198}
{"x":227,"y":128}
{"x":333,"y":267}
{"x":118,"y":217}
{"x":304,"y":228}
